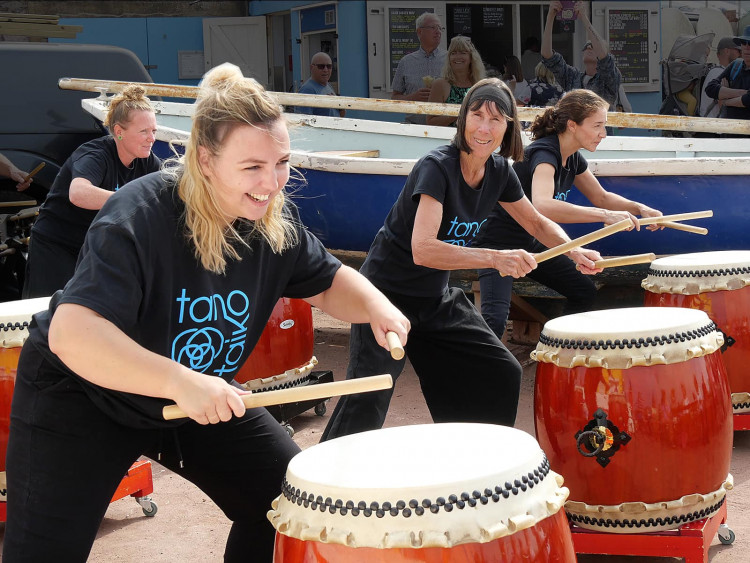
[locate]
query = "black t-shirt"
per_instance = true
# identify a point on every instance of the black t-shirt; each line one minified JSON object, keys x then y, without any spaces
{"x":96,"y":161}
{"x":502,"y":231}
{"x":138,"y":270}
{"x":390,"y":263}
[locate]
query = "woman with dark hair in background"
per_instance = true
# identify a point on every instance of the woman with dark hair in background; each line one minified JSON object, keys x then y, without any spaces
{"x":463,"y":68}
{"x":514,"y":78}
{"x":466,"y":373}
{"x":551,"y":164}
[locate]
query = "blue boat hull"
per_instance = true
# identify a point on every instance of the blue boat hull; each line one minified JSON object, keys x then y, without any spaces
{"x":346,"y":211}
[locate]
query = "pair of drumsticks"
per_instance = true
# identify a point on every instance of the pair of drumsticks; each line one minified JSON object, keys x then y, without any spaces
{"x":671,"y":221}
{"x":380,"y":382}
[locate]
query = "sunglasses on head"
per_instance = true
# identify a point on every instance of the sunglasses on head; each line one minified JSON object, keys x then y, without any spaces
{"x":323,"y":66}
{"x":744,"y":42}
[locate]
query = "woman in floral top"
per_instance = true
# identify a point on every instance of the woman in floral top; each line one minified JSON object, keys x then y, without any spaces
{"x":463,"y":68}
{"x":545,"y":91}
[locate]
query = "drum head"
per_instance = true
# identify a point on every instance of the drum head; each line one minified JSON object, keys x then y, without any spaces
{"x":624,"y":338}
{"x":15,"y":317}
{"x":691,"y":274}
{"x":435,"y":485}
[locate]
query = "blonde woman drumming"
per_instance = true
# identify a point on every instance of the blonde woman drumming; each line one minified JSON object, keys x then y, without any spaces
{"x":177,"y":279}
{"x":95,"y":171}
{"x":463,"y":68}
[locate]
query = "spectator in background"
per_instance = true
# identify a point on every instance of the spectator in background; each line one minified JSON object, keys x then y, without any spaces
{"x":321,"y":67}
{"x":601,"y":74}
{"x":545,"y":91}
{"x":10,"y":170}
{"x":726,"y":51}
{"x":514,"y":78}
{"x":732,"y":86}
{"x":416,"y":71}
{"x":463,"y":68}
{"x":530,"y":57}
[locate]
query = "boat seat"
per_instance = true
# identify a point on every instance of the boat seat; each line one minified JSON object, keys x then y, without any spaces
{"x":363,"y":153}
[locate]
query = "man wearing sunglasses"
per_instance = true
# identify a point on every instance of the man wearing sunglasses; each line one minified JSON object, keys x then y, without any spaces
{"x":732,"y":86}
{"x":415,"y":71}
{"x":321,"y":67}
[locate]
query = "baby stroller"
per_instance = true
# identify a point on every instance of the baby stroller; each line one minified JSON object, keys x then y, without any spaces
{"x":683,"y":73}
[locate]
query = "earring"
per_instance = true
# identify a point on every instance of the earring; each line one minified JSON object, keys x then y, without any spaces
{"x":119,"y":137}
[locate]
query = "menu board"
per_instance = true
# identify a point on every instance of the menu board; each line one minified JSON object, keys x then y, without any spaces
{"x":628,"y":43}
{"x":493,"y":16}
{"x":461,"y":20}
{"x":402,"y":33}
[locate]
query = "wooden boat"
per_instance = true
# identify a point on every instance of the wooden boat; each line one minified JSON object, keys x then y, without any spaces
{"x":354,"y":169}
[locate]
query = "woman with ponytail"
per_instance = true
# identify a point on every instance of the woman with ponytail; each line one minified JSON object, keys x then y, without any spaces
{"x":177,"y":279}
{"x":551,"y":165}
{"x":428,"y":232}
{"x":95,"y":171}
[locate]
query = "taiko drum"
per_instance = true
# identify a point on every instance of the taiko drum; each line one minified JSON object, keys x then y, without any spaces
{"x":455,"y":492}
{"x":632,"y":406}
{"x":283,"y":356}
{"x":719,"y":284}
{"x":15,"y":317}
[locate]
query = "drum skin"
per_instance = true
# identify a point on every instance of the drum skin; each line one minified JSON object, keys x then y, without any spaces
{"x":281,"y":347}
{"x":547,"y":541}
{"x":678,"y":417}
{"x":730,"y":310}
{"x":8,"y":365}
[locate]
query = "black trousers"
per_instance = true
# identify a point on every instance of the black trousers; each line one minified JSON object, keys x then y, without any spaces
{"x":66,"y":458}
{"x":466,"y":373}
{"x":48,"y":268}
{"x":558,"y":273}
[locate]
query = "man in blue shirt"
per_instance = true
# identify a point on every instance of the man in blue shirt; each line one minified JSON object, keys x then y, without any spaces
{"x":321,"y":68}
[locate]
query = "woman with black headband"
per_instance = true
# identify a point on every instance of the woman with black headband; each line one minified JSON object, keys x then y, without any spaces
{"x":465,"y":372}
{"x":551,"y":169}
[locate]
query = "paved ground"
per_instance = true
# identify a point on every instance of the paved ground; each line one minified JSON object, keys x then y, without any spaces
{"x":188,"y":527}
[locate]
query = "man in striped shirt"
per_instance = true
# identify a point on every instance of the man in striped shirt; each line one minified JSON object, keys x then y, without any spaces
{"x":415,"y":70}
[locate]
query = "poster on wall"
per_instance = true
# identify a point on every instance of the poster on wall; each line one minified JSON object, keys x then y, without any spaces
{"x":493,"y":17}
{"x":461,"y":20}
{"x":628,"y":43}
{"x":402,"y":33}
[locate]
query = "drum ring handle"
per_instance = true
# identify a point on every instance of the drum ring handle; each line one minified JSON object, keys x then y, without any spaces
{"x":599,"y":438}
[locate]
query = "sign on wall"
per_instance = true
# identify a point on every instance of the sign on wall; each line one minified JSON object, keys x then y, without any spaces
{"x":629,"y":44}
{"x":402,"y":34}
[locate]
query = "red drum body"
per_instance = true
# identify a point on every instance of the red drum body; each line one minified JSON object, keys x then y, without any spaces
{"x":445,"y":492}
{"x":283,"y":357}
{"x":15,"y":317}
{"x":632,"y":407}
{"x":717,"y":283}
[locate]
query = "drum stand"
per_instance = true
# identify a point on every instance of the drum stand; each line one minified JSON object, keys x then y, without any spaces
{"x":286,"y":412}
{"x":741,"y":421}
{"x":138,"y":483}
{"x":690,"y":541}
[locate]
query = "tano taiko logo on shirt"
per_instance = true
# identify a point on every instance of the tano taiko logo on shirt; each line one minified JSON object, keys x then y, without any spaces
{"x":204,"y":347}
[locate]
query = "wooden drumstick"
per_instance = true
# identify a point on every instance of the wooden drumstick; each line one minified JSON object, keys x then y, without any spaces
{"x":394,"y":345}
{"x":675,"y":217}
{"x":585,"y":239}
{"x":625,"y":260}
{"x":34,"y":172}
{"x":688,"y":228}
{"x":302,"y":393}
